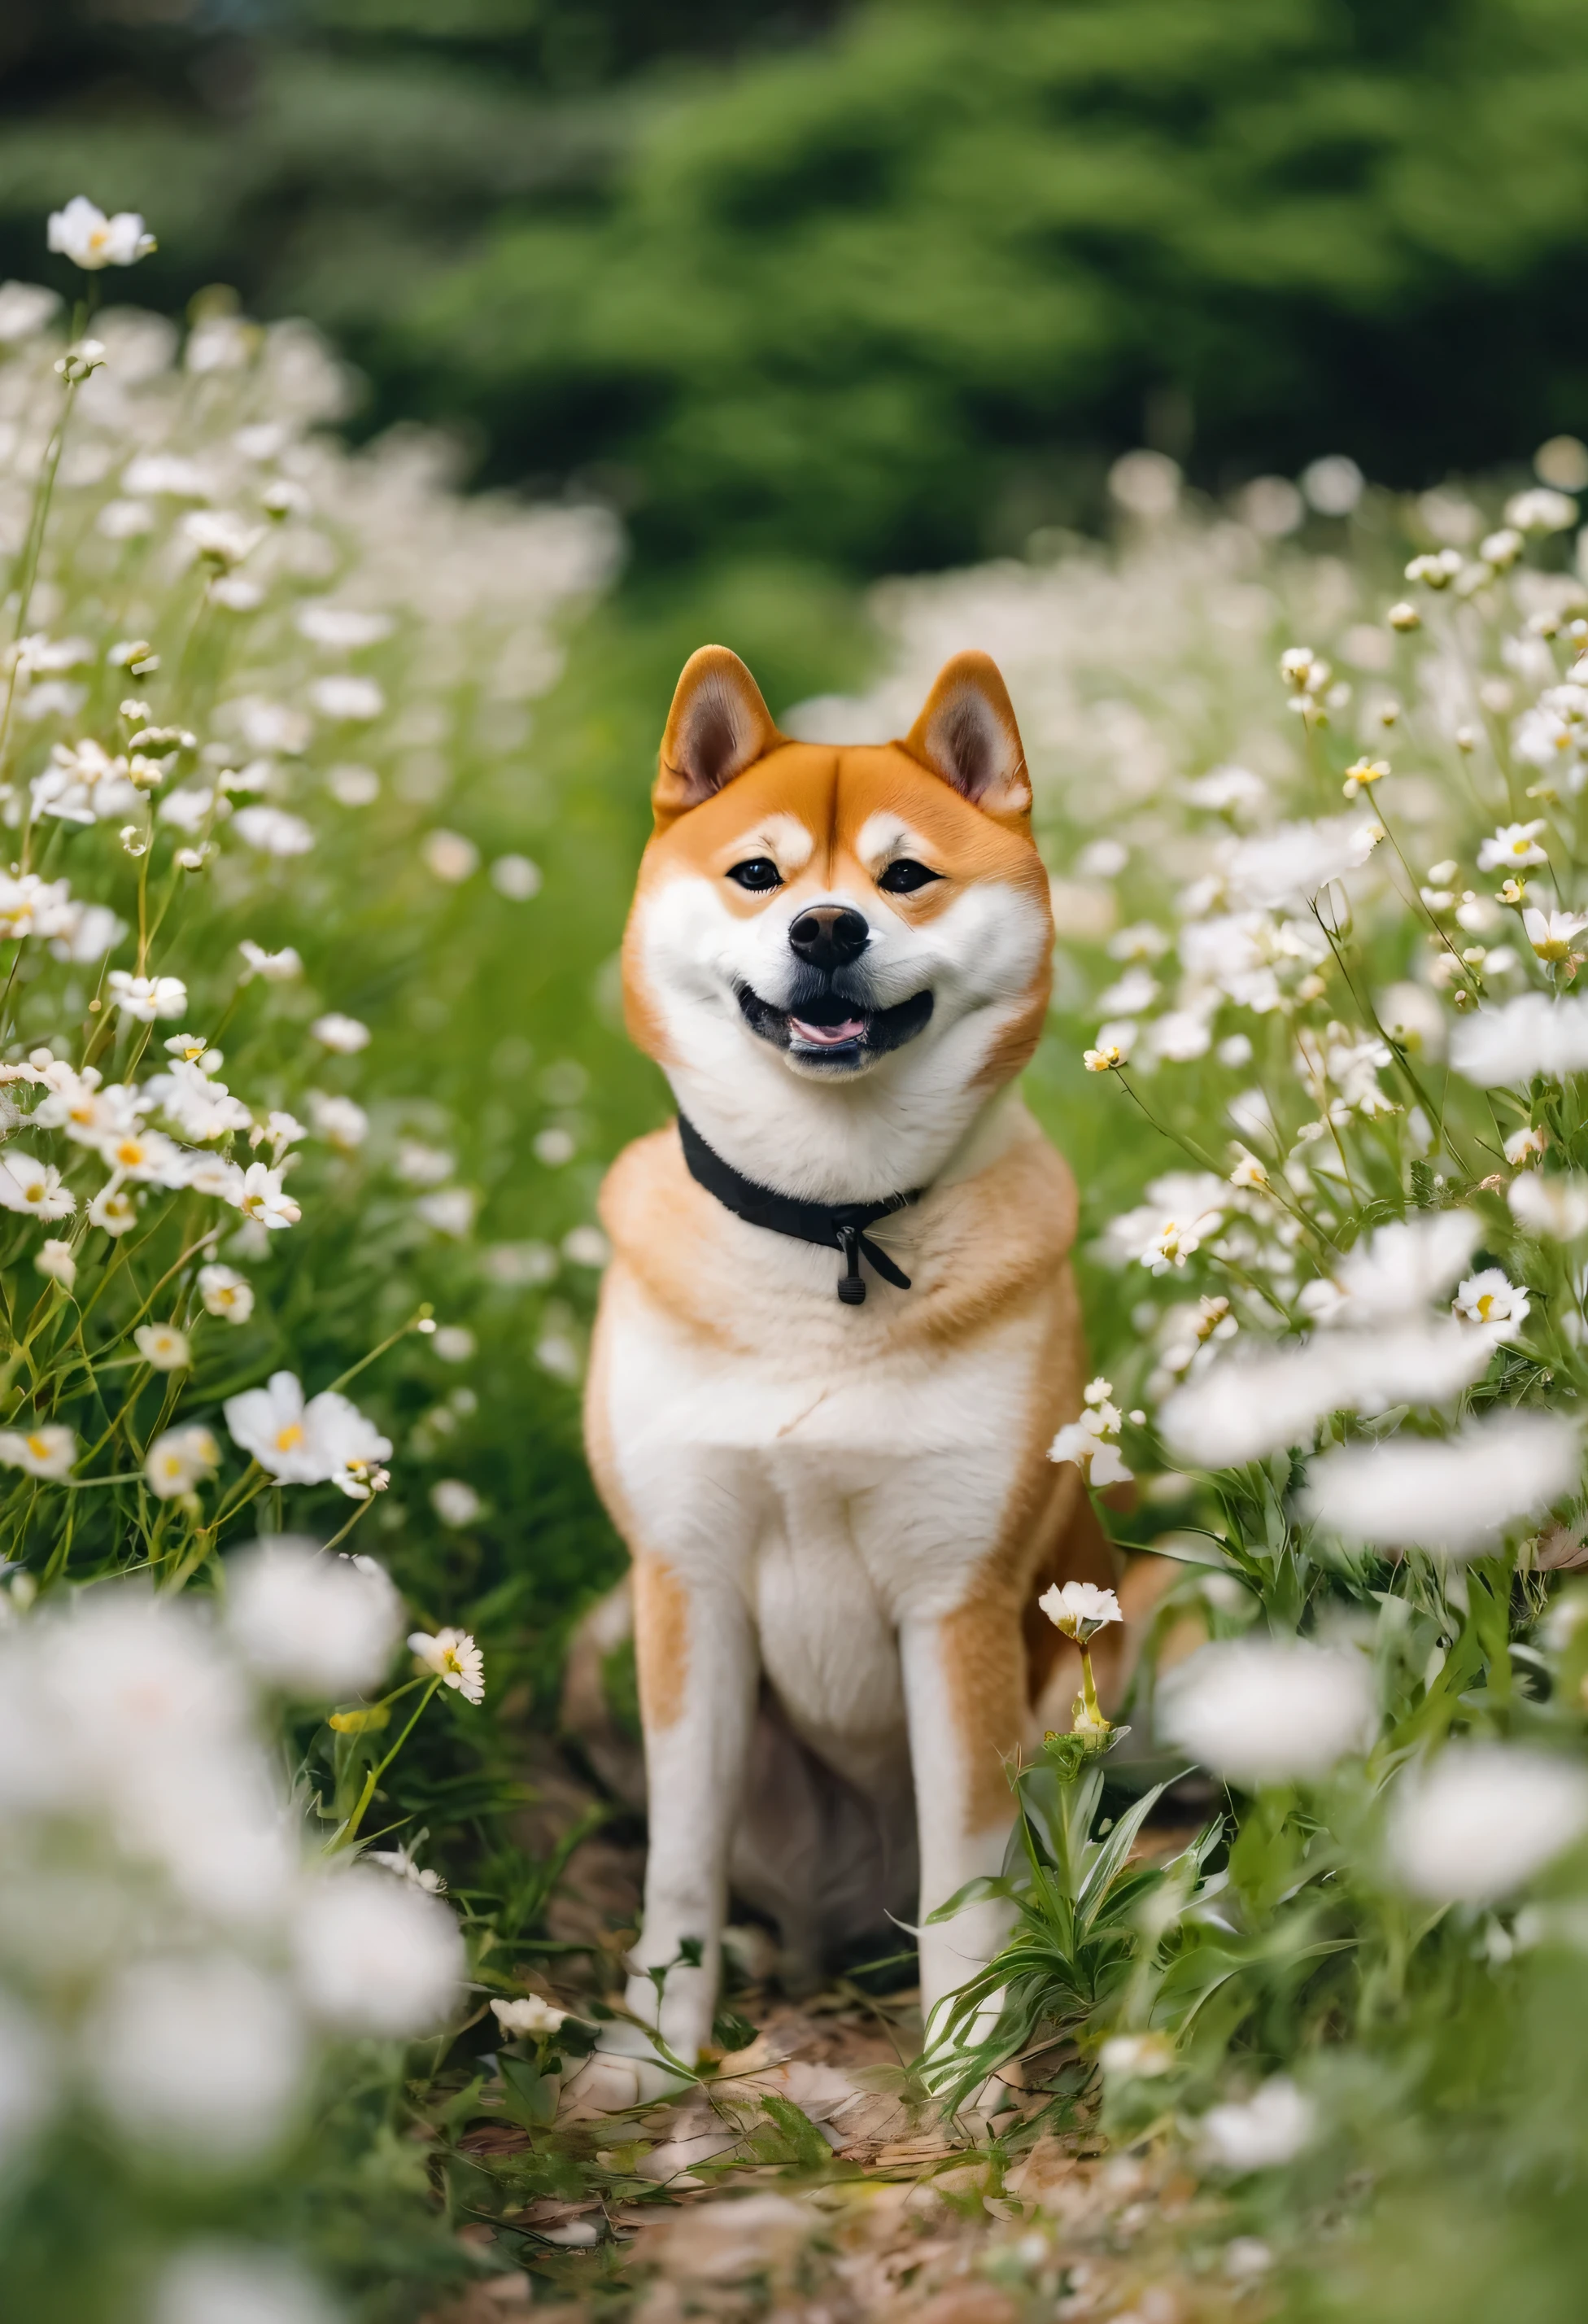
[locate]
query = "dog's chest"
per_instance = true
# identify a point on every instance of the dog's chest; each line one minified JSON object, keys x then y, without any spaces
{"x":820,"y":1475}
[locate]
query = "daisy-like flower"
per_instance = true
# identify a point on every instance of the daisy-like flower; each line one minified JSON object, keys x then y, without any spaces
{"x":350,"y":1445}
{"x":1513,"y":847}
{"x":193,"y":1049}
{"x":275,"y":967}
{"x":225,"y":1292}
{"x":528,"y":2018}
{"x":262,"y":1197}
{"x":1103,"y":1060}
{"x":221,"y":535}
{"x":114,"y":1210}
{"x":400,"y":1863}
{"x":180,"y":1460}
{"x":338,"y":1121}
{"x":1175,"y":1241}
{"x":273,"y":831}
{"x":1085,"y":1442}
{"x":1551,"y":934}
{"x":162,"y":1346}
{"x":145,"y":998}
{"x":343,"y":1035}
{"x":1080,"y":1609}
{"x":45,"y":1451}
{"x":55,"y":1259}
{"x":1362,"y":776}
{"x":82,"y":233}
{"x":1526,"y":1145}
{"x":271,"y":1423}
{"x":452,"y":1658}
{"x":33,"y":1188}
{"x":1513,"y":891}
{"x":147,"y":1156}
{"x":1249,"y":1171}
{"x":1489,"y":1297}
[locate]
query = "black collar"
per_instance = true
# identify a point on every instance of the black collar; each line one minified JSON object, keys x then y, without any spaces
{"x":836,"y":1226}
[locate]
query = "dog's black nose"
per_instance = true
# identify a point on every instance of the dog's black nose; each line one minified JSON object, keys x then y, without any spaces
{"x":829,"y":936}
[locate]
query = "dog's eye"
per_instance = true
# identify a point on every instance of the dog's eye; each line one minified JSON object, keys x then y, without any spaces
{"x":761,"y":871}
{"x":903,"y":878}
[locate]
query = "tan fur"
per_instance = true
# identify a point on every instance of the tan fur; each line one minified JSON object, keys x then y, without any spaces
{"x":661,"y":1640}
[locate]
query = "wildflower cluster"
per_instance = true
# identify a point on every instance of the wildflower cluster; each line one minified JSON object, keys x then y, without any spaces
{"x":1314,"y":830}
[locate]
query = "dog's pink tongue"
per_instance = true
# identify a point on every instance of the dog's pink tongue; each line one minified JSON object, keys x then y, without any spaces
{"x":827,"y":1037}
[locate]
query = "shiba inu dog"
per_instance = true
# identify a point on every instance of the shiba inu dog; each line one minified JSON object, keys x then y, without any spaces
{"x":837,"y":1336}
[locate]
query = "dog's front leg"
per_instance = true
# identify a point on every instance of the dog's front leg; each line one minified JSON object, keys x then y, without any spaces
{"x":964,"y":1673}
{"x":698,"y":1667}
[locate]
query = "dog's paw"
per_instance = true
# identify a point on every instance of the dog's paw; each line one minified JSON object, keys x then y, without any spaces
{"x":607,"y":2083}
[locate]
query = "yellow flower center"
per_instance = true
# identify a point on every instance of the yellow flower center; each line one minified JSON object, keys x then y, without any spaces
{"x":449,"y":1661}
{"x":1486,"y":1307}
{"x":33,"y":1192}
{"x":289,"y":1438}
{"x":38,"y":1446}
{"x":129,"y":1153}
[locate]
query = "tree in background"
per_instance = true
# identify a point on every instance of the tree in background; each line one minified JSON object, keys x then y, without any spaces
{"x":885,"y":287}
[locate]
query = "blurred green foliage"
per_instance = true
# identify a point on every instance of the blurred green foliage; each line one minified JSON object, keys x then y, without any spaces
{"x":882,"y":288}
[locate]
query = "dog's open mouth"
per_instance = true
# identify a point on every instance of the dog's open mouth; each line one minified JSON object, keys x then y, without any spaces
{"x":832,"y":1029}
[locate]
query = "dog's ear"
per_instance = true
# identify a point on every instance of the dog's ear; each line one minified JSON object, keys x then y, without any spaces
{"x":717,"y":727}
{"x":967,"y":735}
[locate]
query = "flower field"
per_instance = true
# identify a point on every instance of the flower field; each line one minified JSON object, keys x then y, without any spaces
{"x":323,"y":786}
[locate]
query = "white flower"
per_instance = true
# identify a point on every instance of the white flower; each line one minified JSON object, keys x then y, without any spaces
{"x":354,"y":786}
{"x":33,"y":1188}
{"x":1176,"y":1199}
{"x":1552,"y":934}
{"x":1514,"y":846}
{"x":376,"y":1956}
{"x":1555,"y":1206}
{"x":450,"y":1210}
{"x":163,"y":1347}
{"x":1499,"y":1047}
{"x":225,"y":1292}
{"x":1403,"y":1266}
{"x":46,"y":1451}
{"x":1103,"y":1060}
{"x":55,"y":1259}
{"x":401,"y":1864}
{"x":201,"y":2056}
{"x":344,"y":629}
{"x":24,"y":309}
{"x":1137,"y":989}
{"x":1481,"y":1819}
{"x":351,"y":1445}
{"x":586,"y":1246}
{"x":113,"y":1210}
{"x":454,"y":1343}
{"x":82,"y":233}
{"x":273,"y":831}
{"x":145,"y":998}
{"x":31,"y":907}
{"x":83,"y":783}
{"x":222,"y":535}
{"x":455,"y":1502}
{"x":1082,"y":1442}
{"x":1491,"y":1298}
{"x":1285,"y":869}
{"x":449,"y":856}
{"x":315,"y":1625}
{"x":1174,"y":1241}
{"x":1227,"y":791}
{"x":275,"y":967}
{"x":348,"y":698}
{"x":1137,"y":2057}
{"x":454,"y":1659}
{"x":516,"y":878}
{"x":1526,"y":1145}
{"x":208,"y":2281}
{"x":529,"y":2016}
{"x":1273,"y":2126}
{"x":179,"y":1460}
{"x":344,"y":1035}
{"x":327,"y":1441}
{"x":423,"y":1166}
{"x":338,"y":1121}
{"x":269,"y":1423}
{"x":1540,"y":510}
{"x":262,"y":1198}
{"x":189,"y":808}
{"x":1267,"y":1710}
{"x":1080,"y":1609}
{"x":1454,"y":1497}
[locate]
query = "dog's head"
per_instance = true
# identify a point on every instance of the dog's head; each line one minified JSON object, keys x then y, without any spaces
{"x":858,"y":937}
